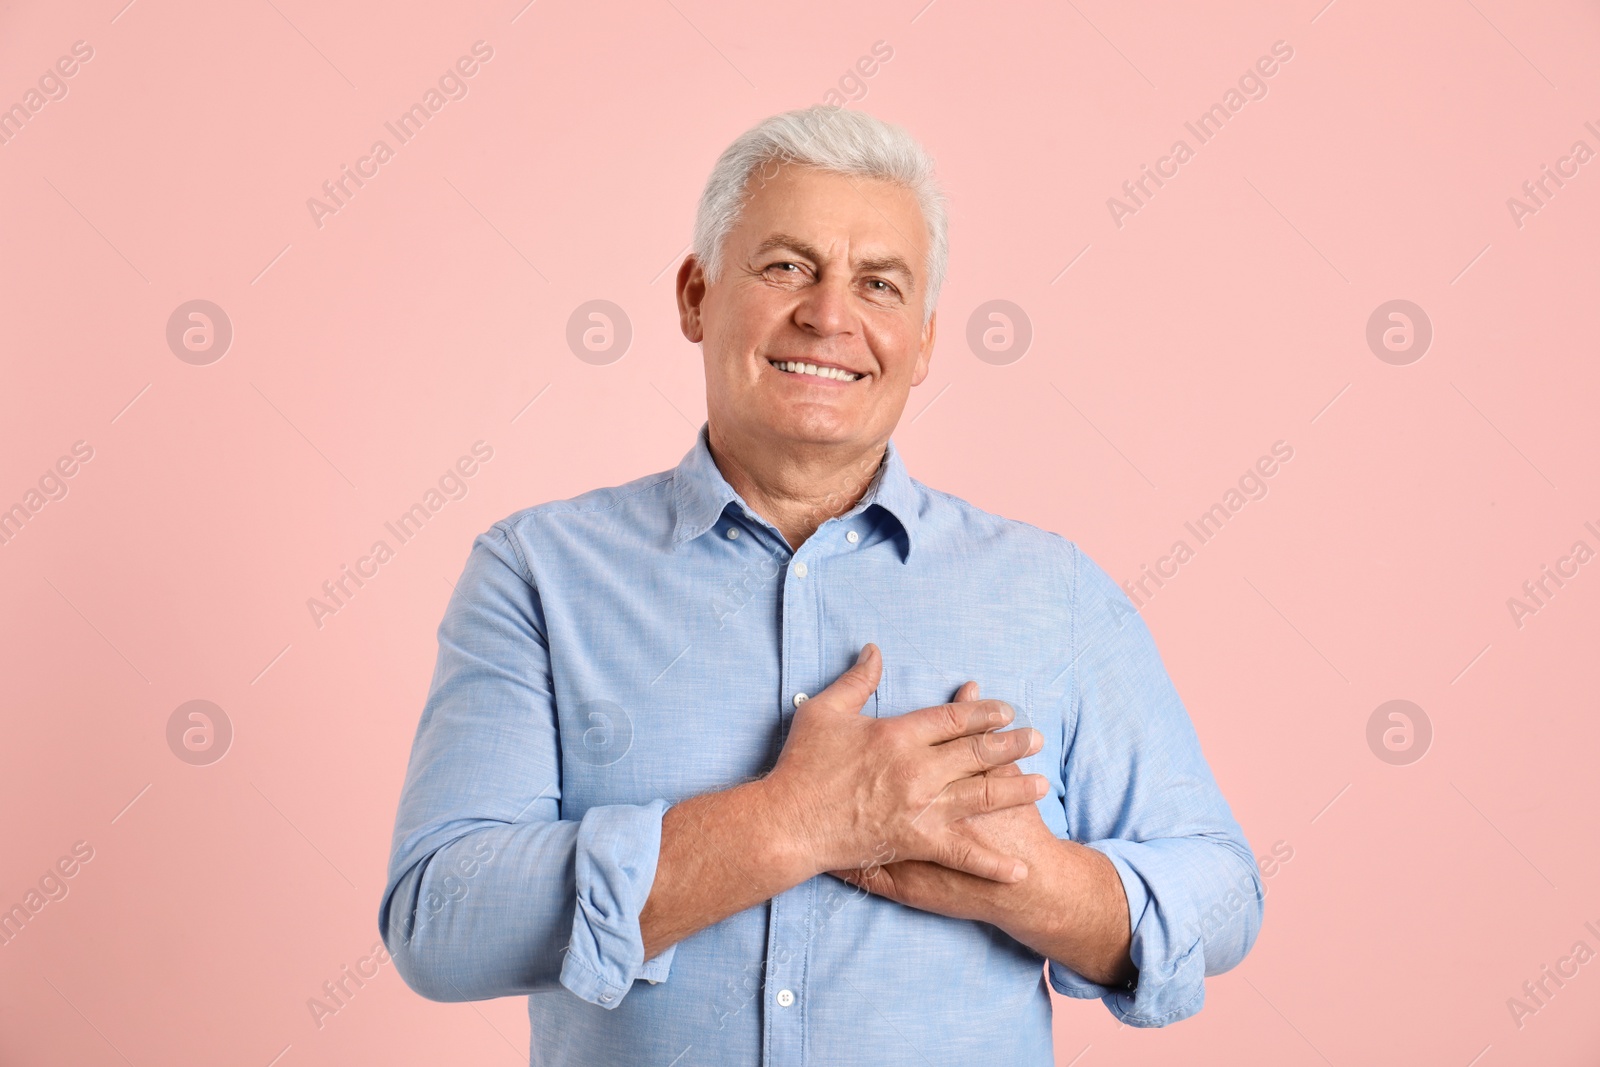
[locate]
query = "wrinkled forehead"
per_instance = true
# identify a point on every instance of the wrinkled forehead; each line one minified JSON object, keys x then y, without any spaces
{"x":818,"y":213}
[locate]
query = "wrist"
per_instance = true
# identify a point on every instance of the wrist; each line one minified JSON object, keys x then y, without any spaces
{"x":786,"y":848}
{"x":1040,"y":909}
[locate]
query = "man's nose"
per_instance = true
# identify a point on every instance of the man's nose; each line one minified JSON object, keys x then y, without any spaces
{"x":825,"y":309}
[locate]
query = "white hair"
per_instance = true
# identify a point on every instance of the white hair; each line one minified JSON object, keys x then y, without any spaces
{"x":833,"y":139}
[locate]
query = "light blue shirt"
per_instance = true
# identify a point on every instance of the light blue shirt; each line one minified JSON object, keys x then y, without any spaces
{"x":607,"y":656}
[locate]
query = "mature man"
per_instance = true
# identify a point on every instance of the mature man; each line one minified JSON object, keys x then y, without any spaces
{"x":734,"y":728}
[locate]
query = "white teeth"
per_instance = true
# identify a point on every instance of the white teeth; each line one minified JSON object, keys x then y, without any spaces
{"x":796,"y":367}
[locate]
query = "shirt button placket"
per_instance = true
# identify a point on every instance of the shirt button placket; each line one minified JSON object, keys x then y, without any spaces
{"x":791,"y":912}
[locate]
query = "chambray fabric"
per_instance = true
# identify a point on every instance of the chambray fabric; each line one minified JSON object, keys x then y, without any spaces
{"x":606,"y":656}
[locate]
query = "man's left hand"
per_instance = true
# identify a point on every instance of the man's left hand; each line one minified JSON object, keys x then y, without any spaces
{"x":1016,"y":831}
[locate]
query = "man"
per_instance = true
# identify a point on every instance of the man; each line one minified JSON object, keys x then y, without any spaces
{"x":735,"y":729}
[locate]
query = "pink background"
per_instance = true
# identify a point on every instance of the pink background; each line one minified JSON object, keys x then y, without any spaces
{"x":1228,"y":313}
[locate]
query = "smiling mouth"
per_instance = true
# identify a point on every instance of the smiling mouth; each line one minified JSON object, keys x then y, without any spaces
{"x":797,"y":367}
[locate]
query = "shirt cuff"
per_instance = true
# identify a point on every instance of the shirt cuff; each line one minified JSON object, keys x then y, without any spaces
{"x":618,"y":846}
{"x":1170,"y":984}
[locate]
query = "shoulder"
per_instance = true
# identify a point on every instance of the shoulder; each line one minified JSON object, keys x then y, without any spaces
{"x":634,"y":509}
{"x":953,"y":518}
{"x":1015,"y":543}
{"x":646,"y":490}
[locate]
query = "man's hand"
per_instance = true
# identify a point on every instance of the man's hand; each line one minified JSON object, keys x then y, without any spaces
{"x":859,"y":791}
{"x":1070,"y":908}
{"x":933,"y":794}
{"x":1014,"y":831}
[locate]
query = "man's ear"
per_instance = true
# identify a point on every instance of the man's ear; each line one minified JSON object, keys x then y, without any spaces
{"x":925,"y":354}
{"x":691,"y":295}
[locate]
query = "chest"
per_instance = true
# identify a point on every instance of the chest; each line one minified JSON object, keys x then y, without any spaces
{"x":680,"y":676}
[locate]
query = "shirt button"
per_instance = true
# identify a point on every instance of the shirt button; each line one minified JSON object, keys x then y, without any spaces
{"x":800,"y":698}
{"x":785,"y":998}
{"x":852,"y":537}
{"x":606,"y":997}
{"x":733,"y":533}
{"x":799,"y":570}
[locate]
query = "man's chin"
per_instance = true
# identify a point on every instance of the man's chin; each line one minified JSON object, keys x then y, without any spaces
{"x":814,"y":427}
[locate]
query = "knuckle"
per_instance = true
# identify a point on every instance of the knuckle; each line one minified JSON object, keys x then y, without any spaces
{"x":951,"y":719}
{"x":957,"y":853}
{"x":1021,"y":790}
{"x":931,"y":795}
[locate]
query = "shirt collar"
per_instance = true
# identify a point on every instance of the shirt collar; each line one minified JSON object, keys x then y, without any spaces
{"x":702,"y":494}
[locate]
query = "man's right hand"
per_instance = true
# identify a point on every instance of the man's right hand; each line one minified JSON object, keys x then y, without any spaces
{"x":851,"y":790}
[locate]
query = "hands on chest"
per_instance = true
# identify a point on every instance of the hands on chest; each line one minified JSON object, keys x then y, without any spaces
{"x":927,"y":808}
{"x":937,"y":785}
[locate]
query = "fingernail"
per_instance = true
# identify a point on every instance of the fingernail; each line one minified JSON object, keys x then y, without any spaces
{"x":997,"y":717}
{"x":1019,"y":871}
{"x":1040,"y":788}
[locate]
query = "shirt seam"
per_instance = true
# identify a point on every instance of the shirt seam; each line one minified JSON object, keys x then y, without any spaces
{"x":1164,"y":1017}
{"x":516,"y":549}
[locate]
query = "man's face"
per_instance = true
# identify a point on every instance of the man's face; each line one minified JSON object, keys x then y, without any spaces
{"x":822,"y":269}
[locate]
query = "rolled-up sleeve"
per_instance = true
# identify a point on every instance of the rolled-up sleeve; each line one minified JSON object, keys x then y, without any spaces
{"x":489,"y":892}
{"x":1138,"y":789}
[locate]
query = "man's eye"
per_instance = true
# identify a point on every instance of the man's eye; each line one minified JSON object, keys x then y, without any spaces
{"x":780,"y":266}
{"x":887,"y":288}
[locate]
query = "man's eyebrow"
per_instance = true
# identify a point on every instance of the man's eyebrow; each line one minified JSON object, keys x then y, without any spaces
{"x":787,"y":241}
{"x":878,"y":264}
{"x":889,"y":264}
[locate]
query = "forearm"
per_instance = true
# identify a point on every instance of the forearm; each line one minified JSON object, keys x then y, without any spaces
{"x":1071,"y":908}
{"x":721,"y":853}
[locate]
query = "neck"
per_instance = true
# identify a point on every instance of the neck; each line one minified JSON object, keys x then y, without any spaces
{"x":796,"y":489}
